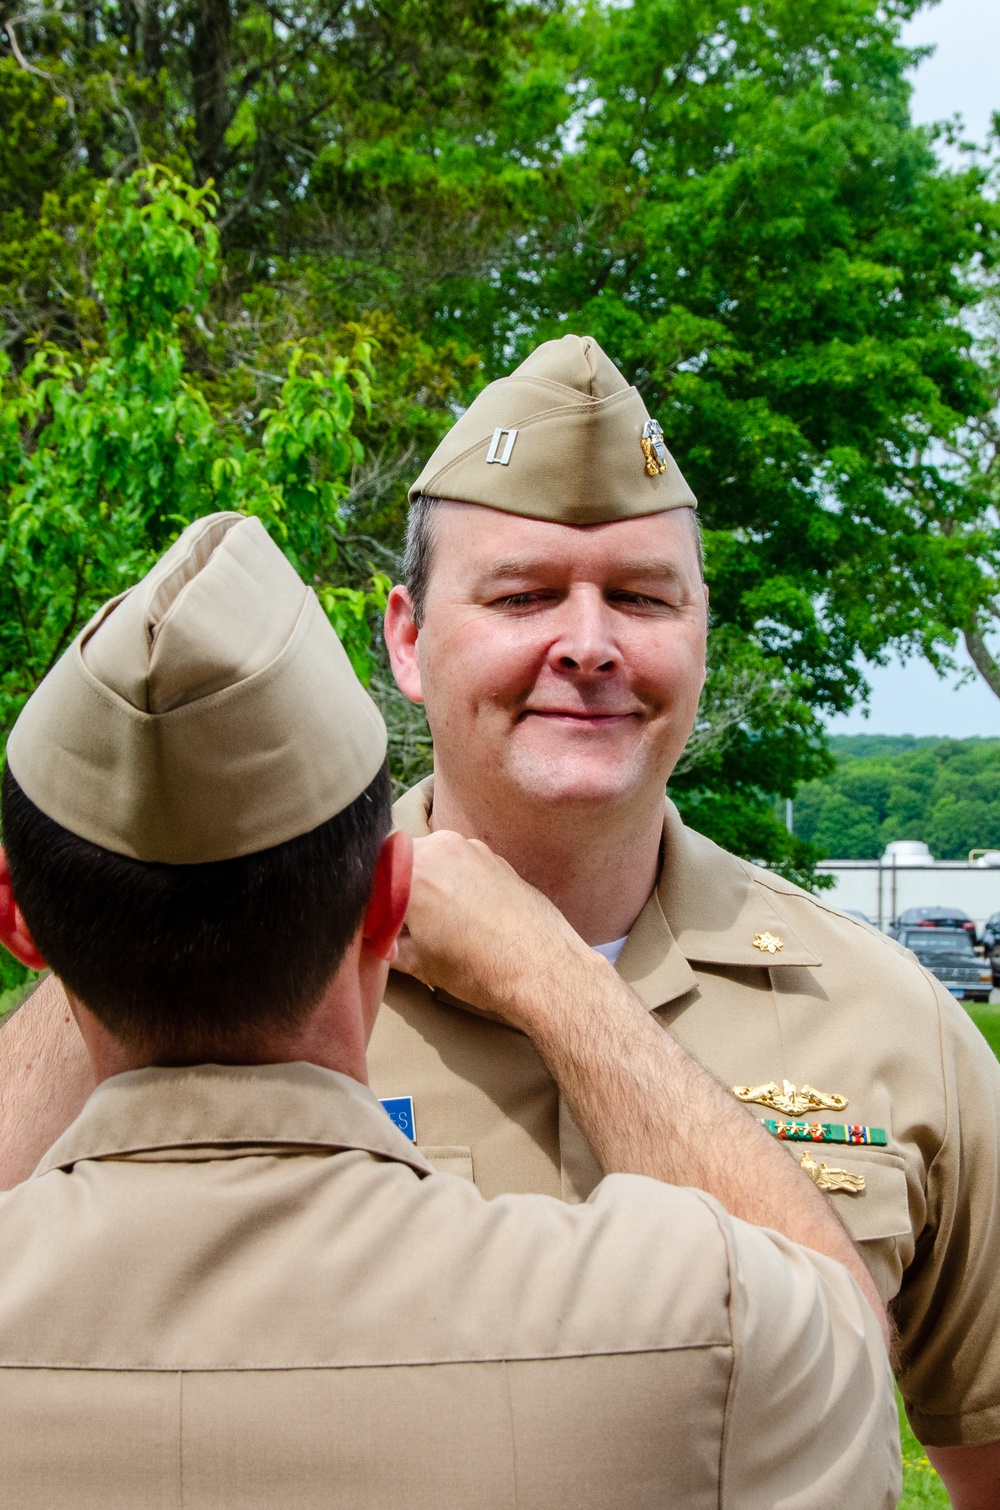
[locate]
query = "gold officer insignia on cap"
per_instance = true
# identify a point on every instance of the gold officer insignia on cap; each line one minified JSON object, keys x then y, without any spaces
{"x":653,"y":449}
{"x":785,"y":1098}
{"x":831,"y":1179}
{"x":560,"y":420}
{"x":768,"y":943}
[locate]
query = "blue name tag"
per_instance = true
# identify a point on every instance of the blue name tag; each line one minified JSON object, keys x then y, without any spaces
{"x":399,"y":1110}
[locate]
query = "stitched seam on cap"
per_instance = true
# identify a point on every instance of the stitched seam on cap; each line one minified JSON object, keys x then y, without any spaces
{"x":182,"y":567}
{"x":527,"y":377}
{"x":513,"y":1434}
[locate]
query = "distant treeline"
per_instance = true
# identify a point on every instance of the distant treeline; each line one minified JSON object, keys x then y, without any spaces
{"x":944,"y":791}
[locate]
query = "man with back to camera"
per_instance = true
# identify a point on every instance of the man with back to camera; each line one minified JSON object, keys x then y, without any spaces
{"x":554,"y":624}
{"x":232,"y":1281}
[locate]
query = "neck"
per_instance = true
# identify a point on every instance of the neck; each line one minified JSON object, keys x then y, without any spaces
{"x":333,"y":1035}
{"x":597,"y":865}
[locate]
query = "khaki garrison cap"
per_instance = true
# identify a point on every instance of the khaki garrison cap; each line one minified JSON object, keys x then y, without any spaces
{"x":209,"y":712}
{"x":564,"y":438}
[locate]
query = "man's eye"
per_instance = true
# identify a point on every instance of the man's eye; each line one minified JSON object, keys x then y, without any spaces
{"x":521,"y":600}
{"x":636,"y":600}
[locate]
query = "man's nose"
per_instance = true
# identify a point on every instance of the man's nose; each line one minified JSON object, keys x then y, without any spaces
{"x":585,"y":642}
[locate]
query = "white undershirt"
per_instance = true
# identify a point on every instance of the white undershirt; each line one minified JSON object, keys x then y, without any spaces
{"x":610,"y":951}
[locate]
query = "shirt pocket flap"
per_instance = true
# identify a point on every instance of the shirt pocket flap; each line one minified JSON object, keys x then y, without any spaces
{"x":449,"y":1158}
{"x":882,"y":1209}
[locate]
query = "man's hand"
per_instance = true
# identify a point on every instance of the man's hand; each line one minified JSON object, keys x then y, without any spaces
{"x":477,"y":931}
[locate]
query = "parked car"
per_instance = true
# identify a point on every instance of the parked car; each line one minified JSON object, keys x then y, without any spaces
{"x":991,"y":943}
{"x":950,"y":954}
{"x":933,"y":917}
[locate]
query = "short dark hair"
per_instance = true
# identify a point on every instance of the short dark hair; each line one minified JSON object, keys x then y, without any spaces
{"x":418,"y":554}
{"x":188,"y":961}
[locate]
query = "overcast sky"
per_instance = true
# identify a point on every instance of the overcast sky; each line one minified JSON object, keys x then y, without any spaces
{"x":962,"y":78}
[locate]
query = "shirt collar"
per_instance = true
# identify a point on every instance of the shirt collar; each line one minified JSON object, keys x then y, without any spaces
{"x":205,"y":1108}
{"x":707,"y":908}
{"x":718,"y":904}
{"x":412,"y":811}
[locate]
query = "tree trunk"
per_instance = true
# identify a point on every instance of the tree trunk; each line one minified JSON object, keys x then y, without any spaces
{"x":88,"y":19}
{"x":152,"y":38}
{"x":988,"y":668}
{"x":210,"y":61}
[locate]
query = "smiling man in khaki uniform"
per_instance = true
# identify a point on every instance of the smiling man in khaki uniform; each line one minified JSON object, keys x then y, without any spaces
{"x":554,"y":625}
{"x":232,"y":1281}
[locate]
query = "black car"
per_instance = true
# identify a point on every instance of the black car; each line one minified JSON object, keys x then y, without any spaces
{"x":933,"y":917}
{"x":991,"y":942}
{"x":950,"y":954}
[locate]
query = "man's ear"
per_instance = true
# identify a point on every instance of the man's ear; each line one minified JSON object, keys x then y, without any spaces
{"x":15,"y":934}
{"x":401,"y":631}
{"x":390,"y":896}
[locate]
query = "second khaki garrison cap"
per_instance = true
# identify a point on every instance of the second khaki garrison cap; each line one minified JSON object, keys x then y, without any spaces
{"x":564,"y":437}
{"x":207,"y":713}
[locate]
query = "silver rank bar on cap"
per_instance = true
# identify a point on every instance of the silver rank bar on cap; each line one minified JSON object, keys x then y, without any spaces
{"x":494,"y":453}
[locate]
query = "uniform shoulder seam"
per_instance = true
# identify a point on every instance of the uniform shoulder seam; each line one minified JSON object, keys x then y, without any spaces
{"x":766,"y":880}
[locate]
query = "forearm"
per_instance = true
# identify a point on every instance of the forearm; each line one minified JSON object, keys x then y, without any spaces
{"x":45,"y":1077}
{"x":642,"y":1103}
{"x":646,"y":1107}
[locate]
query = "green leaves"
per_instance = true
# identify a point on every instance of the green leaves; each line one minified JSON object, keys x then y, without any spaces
{"x":105,"y":457}
{"x":751,"y":225}
{"x":157,"y":255}
{"x":349,"y":611}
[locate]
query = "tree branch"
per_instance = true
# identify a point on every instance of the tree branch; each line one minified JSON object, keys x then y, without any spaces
{"x":38,"y":72}
{"x":988,"y":668}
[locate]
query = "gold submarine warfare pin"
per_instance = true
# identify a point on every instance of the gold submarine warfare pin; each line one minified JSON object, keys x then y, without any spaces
{"x":789,"y":1100}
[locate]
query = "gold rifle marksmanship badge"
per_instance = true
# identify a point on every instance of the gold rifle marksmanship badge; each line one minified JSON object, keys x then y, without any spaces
{"x":831,"y":1179}
{"x":653,"y":449}
{"x":785,"y":1098}
{"x":767,"y":943}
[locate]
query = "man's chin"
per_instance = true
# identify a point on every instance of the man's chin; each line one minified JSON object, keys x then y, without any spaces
{"x":576,"y":784}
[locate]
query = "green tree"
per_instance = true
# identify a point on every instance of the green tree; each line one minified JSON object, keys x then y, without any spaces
{"x":944,"y":792}
{"x":731,"y":197}
{"x":105,"y":457}
{"x":745,"y":215}
{"x":344,"y":135}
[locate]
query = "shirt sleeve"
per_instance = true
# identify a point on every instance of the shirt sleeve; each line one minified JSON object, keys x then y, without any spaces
{"x":812,"y":1418}
{"x":948,"y":1309}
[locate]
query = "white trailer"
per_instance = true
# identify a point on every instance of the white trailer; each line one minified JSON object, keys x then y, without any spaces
{"x":882,"y":890}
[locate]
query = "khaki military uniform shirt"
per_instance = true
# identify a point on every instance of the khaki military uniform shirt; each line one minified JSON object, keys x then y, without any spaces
{"x":236,"y":1287}
{"x":838,"y":1007}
